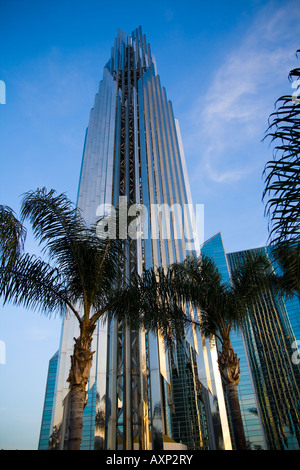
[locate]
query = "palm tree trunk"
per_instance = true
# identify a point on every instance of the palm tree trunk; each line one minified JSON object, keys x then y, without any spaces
{"x":81,"y":363}
{"x":236,"y":417}
{"x":230,"y":373}
{"x":77,"y":403}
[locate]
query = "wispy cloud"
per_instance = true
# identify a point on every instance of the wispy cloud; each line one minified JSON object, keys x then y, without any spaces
{"x":234,"y":111}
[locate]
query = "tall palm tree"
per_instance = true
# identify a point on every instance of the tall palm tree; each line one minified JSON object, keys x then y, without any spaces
{"x":79,"y":278}
{"x":223,"y":306}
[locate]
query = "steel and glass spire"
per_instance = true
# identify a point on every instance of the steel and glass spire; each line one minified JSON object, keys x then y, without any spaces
{"x":140,"y":395}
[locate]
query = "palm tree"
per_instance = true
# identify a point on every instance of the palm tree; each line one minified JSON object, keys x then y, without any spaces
{"x":223,"y":307}
{"x":79,"y":278}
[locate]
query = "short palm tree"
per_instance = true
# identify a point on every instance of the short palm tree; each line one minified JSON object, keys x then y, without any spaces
{"x":223,"y":307}
{"x":80,"y":278}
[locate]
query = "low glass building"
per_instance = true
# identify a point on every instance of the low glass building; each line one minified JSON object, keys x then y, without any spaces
{"x":269,"y":388}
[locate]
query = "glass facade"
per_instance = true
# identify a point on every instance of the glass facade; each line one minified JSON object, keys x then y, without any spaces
{"x":270,"y":380}
{"x":48,"y":404}
{"x":140,"y":394}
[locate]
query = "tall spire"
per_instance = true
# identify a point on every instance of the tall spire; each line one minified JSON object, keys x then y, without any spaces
{"x":144,"y":395}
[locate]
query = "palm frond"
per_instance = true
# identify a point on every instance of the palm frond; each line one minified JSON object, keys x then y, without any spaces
{"x":89,"y":262}
{"x":53,"y":217}
{"x":197,"y":282}
{"x":33,"y":283}
{"x":252,"y":276}
{"x":12,"y":236}
{"x":151,"y":301}
{"x":282,"y":174}
{"x":287,"y":278}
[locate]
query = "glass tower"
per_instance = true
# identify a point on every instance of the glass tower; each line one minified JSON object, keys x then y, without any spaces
{"x":48,"y":404}
{"x":269,"y":388}
{"x":140,"y":394}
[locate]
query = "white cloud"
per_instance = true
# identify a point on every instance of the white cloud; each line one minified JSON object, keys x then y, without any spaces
{"x":226,"y":176}
{"x":233,"y":113}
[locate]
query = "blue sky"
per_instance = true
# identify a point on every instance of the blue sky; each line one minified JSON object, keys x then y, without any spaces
{"x":223,"y":63}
